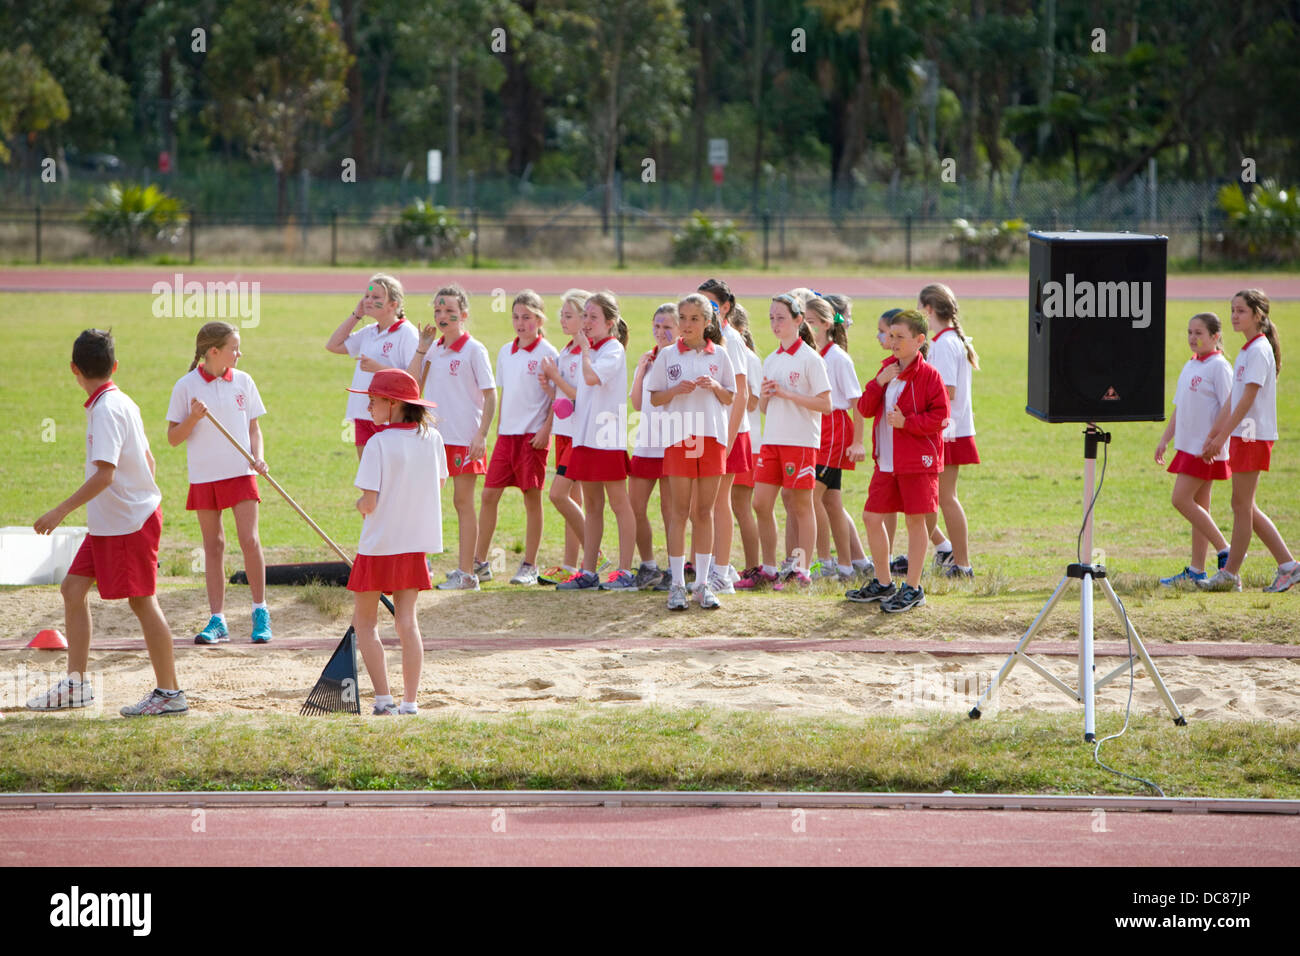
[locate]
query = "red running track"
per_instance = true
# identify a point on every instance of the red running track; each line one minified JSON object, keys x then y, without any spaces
{"x":484,"y":282}
{"x":631,"y":836}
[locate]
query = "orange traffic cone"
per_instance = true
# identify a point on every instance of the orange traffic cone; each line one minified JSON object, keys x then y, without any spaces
{"x":49,"y":640}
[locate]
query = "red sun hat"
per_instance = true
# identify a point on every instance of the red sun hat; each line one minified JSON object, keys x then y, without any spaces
{"x":395,"y":383}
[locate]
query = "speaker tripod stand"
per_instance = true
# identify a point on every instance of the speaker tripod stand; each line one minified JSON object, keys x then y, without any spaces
{"x":1087,"y":575}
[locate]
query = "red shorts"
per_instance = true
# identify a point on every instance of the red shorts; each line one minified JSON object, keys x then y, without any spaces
{"x":597,"y":464}
{"x":459,"y":462}
{"x":123,"y":565}
{"x":226,"y":493}
{"x":363,"y":429}
{"x":1249,"y":455}
{"x":516,"y":463}
{"x":961,"y":451}
{"x":790,"y":466}
{"x":837,"y":436}
{"x":652,"y":469}
{"x":390,"y":573}
{"x":1197,"y":467}
{"x":912,"y":494}
{"x":744,"y":480}
{"x":741,"y":458}
{"x":563,"y":452}
{"x":696,"y":458}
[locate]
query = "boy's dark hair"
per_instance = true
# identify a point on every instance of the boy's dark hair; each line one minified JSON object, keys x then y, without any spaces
{"x":93,"y":353}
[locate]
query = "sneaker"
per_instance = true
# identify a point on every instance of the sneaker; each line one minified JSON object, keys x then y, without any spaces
{"x":796,"y":577}
{"x":580,"y":581}
{"x":556,"y":572}
{"x":755,"y":579}
{"x":64,"y":696}
{"x":1185,"y":578}
{"x":214,"y":632}
{"x":906,"y":599}
{"x":1284,"y":580}
{"x":483,"y":570}
{"x":465,"y":582}
{"x":942,"y":559}
{"x":157,"y":704}
{"x":952,"y":570}
{"x":527,"y":574}
{"x":1223,"y":557}
{"x":875,"y":591}
{"x":786,"y":567}
{"x":824,"y":569}
{"x":261,"y":625}
{"x":385,"y":710}
{"x":453,"y":581}
{"x":898,"y":565}
{"x":732,"y":574}
{"x":708,"y":600}
{"x":665,"y":582}
{"x":619,"y":581}
{"x":1223,"y":580}
{"x":677,"y":597}
{"x":720,"y":582}
{"x":865,"y":573}
{"x":602,"y":563}
{"x":647,"y":577}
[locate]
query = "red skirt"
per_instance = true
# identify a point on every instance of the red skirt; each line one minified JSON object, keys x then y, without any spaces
{"x":961,"y":451}
{"x":219,"y":495}
{"x":1197,"y":467}
{"x":1249,"y":455}
{"x":597,"y":464}
{"x":651,"y":469}
{"x":390,"y":573}
{"x":741,"y":459}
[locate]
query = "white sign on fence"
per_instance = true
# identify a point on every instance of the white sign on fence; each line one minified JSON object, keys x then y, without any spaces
{"x":717,"y":152}
{"x":435,"y":166}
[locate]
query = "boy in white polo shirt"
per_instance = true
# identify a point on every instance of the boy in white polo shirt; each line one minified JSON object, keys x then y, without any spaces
{"x":121,"y":552}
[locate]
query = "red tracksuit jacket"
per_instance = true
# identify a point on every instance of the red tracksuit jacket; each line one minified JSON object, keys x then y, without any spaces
{"x":918,"y":445}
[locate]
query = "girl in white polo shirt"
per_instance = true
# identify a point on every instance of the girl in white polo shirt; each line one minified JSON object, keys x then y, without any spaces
{"x":220,"y":477}
{"x":795,"y":392}
{"x":647,"y":467}
{"x":953,"y":356}
{"x":402,"y":471}
{"x":389,"y":343}
{"x":1204,"y":387}
{"x":456,"y":374}
{"x":562,"y":381}
{"x":523,"y":433}
{"x":599,"y":458}
{"x":693,"y":382}
{"x":1248,"y":426}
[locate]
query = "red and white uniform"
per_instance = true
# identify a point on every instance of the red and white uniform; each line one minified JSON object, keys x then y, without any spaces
{"x":948,"y":356}
{"x":649,"y":443}
{"x":698,"y":413}
{"x":599,"y":410}
{"x":121,"y":551}
{"x":525,"y":404}
{"x":569,"y":363}
{"x":459,"y":372}
{"x":1204,"y":387}
{"x":798,"y":369}
{"x":1255,"y":366}
{"x":909,"y":458}
{"x":837,"y":426}
{"x":394,"y":347}
{"x":234,"y":401}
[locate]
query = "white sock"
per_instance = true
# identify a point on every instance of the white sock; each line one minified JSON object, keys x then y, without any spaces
{"x":844,"y":568}
{"x":220,"y":617}
{"x":677,"y":567}
{"x":261,"y":605}
{"x":408,"y":707}
{"x":945,"y":546}
{"x":167,"y":693}
{"x":1196,"y":570}
{"x":570,"y":568}
{"x":861,"y":564}
{"x":651,"y":565}
{"x":383,"y":699}
{"x":703,"y":563}
{"x":769,"y":569}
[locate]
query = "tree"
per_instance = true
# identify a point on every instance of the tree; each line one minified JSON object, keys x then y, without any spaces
{"x":31,"y":99}
{"x":276,"y":68}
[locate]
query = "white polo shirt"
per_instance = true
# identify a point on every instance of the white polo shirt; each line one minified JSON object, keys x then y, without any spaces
{"x":754,"y":365}
{"x":394,"y":348}
{"x":845,"y":387}
{"x":405,"y":467}
{"x":884,"y":436}
{"x":649,"y":431}
{"x":799,"y":370}
{"x":698,"y":413}
{"x":1204,"y":387}
{"x":459,"y":372}
{"x":524,"y":403}
{"x":600,"y":410}
{"x":233,"y":400}
{"x":1255,"y":366}
{"x":115,"y":434}
{"x":948,"y":356}
{"x":736,"y":351}
{"x":570,"y":366}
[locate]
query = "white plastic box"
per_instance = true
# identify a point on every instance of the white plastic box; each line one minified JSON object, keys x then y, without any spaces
{"x":30,"y":558}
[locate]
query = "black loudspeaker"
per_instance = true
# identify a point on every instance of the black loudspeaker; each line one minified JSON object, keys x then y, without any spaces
{"x":1097,"y":326}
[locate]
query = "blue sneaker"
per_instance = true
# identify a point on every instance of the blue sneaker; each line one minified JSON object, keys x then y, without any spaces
{"x":1223,"y":558}
{"x":579,"y":582}
{"x":261,"y":625}
{"x":214,"y":632}
{"x":1185,"y":578}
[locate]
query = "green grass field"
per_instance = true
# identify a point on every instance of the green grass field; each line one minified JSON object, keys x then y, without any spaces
{"x":1023,"y":502}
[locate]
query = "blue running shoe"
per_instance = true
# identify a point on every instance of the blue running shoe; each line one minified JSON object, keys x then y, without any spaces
{"x":214,"y":632}
{"x":1185,"y":578}
{"x":1223,"y":558}
{"x":261,"y":625}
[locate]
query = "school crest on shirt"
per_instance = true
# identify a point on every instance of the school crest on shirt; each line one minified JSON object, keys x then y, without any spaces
{"x":388,"y":347}
{"x":1240,"y":372}
{"x":455,"y":366}
{"x":532,"y":367}
{"x":240,"y":401}
{"x":1196,"y":382}
{"x":794,"y":379}
{"x":713,"y":370}
{"x":674,"y":372}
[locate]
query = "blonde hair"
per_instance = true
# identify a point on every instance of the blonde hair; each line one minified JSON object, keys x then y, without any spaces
{"x":212,"y":335}
{"x":608,"y":306}
{"x":393,"y":288}
{"x":576,"y":298}
{"x":454,"y":291}
{"x":531,"y":301}
{"x":941,"y":298}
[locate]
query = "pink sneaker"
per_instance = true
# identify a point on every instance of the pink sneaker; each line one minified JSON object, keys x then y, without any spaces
{"x":756,"y":578}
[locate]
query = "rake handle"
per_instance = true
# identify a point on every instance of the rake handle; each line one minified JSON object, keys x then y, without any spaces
{"x":292,"y":504}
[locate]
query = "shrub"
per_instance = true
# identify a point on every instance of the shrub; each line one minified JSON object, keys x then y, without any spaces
{"x":1264,"y":226}
{"x":128,"y":214}
{"x":992,"y":243}
{"x":707,"y":242}
{"x":428,"y":231}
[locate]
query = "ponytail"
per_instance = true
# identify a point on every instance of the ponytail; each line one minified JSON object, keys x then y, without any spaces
{"x":1258,"y":303}
{"x":827,"y":313}
{"x":620,"y":327}
{"x":805,"y":333}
